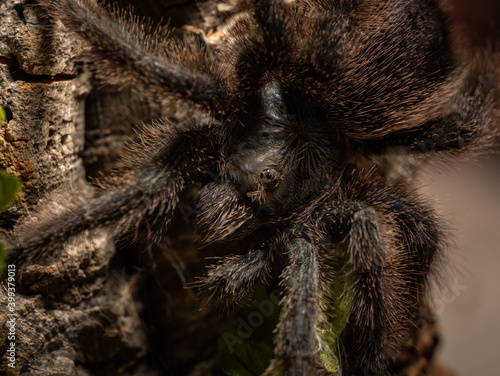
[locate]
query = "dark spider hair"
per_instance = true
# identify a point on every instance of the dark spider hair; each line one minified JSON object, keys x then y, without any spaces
{"x":306,"y":99}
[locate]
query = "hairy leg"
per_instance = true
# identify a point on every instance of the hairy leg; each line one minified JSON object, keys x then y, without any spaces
{"x":297,"y":339}
{"x":124,"y":51}
{"x":373,"y":325}
{"x":269,"y":16}
{"x":390,"y":239}
{"x":470,"y":125}
{"x":420,"y":233}
{"x":147,"y":188}
{"x":229,"y":281}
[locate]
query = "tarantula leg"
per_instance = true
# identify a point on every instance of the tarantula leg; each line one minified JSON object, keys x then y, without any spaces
{"x":221,"y":214}
{"x":124,"y":52}
{"x":445,"y":134}
{"x":297,"y":339}
{"x":53,"y":232}
{"x":422,"y":239}
{"x":147,"y":189}
{"x":370,"y":335}
{"x":229,"y":281}
{"x":471,"y":124}
{"x":270,"y":17}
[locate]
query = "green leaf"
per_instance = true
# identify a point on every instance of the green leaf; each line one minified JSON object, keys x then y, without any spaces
{"x":338,"y":307}
{"x":2,"y":115}
{"x":10,"y":186}
{"x":330,"y":360}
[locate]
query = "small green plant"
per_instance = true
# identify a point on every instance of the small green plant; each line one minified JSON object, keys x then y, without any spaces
{"x":2,"y":115}
{"x":338,"y":313}
{"x":10,"y":186}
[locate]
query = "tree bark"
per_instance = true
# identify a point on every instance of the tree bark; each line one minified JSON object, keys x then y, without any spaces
{"x":72,"y":317}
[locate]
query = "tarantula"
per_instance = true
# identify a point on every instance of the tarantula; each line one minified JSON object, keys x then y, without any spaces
{"x":307,"y":101}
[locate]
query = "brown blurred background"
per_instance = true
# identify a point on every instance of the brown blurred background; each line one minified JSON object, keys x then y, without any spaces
{"x":468,"y":304}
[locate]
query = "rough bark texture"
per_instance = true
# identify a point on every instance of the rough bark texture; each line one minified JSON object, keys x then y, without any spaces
{"x":72,"y":317}
{"x":89,"y":313}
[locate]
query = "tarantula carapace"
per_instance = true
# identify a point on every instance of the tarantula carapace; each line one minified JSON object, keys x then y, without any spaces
{"x":307,"y":100}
